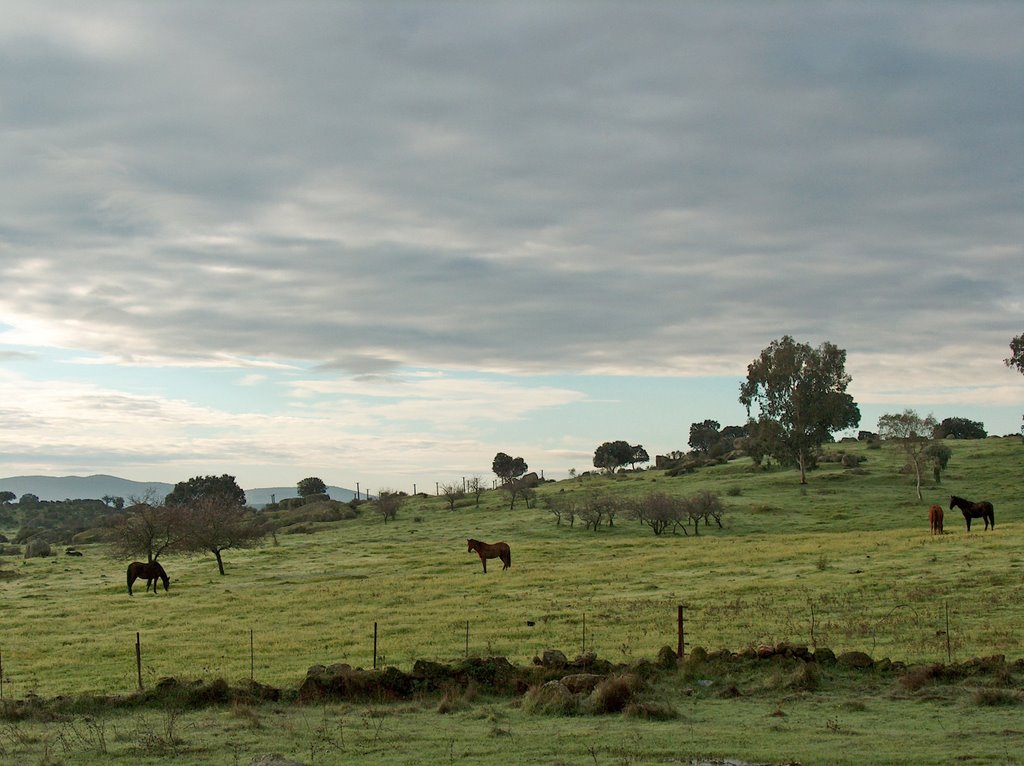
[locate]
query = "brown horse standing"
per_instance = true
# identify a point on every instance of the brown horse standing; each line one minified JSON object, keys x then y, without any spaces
{"x":935,"y":519}
{"x":151,"y":571}
{"x":979,"y":510}
{"x":491,"y":551}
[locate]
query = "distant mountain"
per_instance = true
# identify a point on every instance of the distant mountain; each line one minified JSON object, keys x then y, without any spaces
{"x":99,"y":486}
{"x":265,"y":495}
{"x":83,"y":487}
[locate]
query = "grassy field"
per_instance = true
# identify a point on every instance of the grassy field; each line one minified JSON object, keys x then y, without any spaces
{"x":845,"y":562}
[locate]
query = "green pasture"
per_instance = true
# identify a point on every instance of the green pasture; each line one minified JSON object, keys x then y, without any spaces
{"x":844,"y":562}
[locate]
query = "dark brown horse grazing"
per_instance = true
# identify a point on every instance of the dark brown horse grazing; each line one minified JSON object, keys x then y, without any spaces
{"x":491,"y":551}
{"x":935,"y":519}
{"x":981,"y":510}
{"x":151,"y":571}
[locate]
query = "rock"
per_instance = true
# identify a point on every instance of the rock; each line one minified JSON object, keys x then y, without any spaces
{"x":581,"y":683}
{"x":553,"y":658}
{"x":667,"y":658}
{"x":825,"y":656}
{"x":855,"y":660}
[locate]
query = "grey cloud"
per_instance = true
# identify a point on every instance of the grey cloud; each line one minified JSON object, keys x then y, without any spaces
{"x":527,"y":186}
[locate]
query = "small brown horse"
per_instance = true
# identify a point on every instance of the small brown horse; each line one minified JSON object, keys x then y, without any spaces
{"x":491,"y":551}
{"x":980,"y":510}
{"x":151,"y":571}
{"x":935,"y":519}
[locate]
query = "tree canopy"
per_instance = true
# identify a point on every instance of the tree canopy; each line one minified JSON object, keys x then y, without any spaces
{"x":914,"y":435}
{"x":311,"y":486}
{"x":803,"y":390}
{"x":199,"y":488}
{"x":508,"y":468}
{"x":960,"y":428}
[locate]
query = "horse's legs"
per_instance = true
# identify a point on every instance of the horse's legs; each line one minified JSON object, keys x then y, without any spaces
{"x":484,"y":562}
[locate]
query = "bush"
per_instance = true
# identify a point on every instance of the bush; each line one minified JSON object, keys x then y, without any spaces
{"x":37,"y":548}
{"x":613,"y":694}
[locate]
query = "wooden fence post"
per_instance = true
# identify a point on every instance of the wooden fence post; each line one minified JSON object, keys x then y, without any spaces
{"x":138,"y":658}
{"x":681,"y":633}
{"x":374,"y":646}
{"x":252,"y":658}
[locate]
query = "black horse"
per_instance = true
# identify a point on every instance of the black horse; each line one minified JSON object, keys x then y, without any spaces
{"x":982,"y":510}
{"x":151,"y":571}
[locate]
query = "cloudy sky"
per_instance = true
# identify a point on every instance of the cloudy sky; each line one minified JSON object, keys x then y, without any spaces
{"x":380,"y":242}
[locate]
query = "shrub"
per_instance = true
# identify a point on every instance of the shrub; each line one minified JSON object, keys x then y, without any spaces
{"x":37,"y":548}
{"x":553,"y":698}
{"x":994,"y":697}
{"x":613,"y":694}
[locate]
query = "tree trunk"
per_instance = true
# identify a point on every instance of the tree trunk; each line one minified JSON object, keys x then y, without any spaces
{"x":220,"y":561}
{"x":803,"y":472}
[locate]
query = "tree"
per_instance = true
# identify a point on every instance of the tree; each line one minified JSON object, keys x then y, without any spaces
{"x":148,"y":530}
{"x":803,"y":390}
{"x":914,"y":435}
{"x":508,"y":468}
{"x":28,"y":500}
{"x":960,"y":428}
{"x":1016,"y":358}
{"x":388,"y":503}
{"x":703,"y":436}
{"x":187,"y":493}
{"x":613,"y":455}
{"x":639,"y":456}
{"x":659,"y":511}
{"x":311,"y":486}
{"x":476,"y":488}
{"x":7,"y":496}
{"x":938,"y":455}
{"x":452,"y":493}
{"x":215,"y":524}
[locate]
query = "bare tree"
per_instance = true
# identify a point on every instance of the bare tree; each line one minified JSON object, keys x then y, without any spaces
{"x":147,"y":529}
{"x":388,"y":503}
{"x":914,"y":435}
{"x":659,"y":511}
{"x":476,"y":487}
{"x":452,"y":493}
{"x":216,"y":524}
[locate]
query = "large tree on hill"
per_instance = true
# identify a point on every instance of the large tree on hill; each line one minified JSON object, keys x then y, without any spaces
{"x":613,"y":455}
{"x":311,"y":486}
{"x":508,"y":468}
{"x":960,"y":428}
{"x":803,"y":390}
{"x":704,"y":436}
{"x":224,"y":488}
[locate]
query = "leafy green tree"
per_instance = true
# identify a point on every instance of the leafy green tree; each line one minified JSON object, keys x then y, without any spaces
{"x":803,"y":390}
{"x":187,"y":493}
{"x":7,"y":496}
{"x":960,"y":428}
{"x":508,"y":468}
{"x":29,"y":500}
{"x":914,"y":436}
{"x":311,"y":486}
{"x":703,"y":436}
{"x":613,"y":455}
{"x":938,"y":455}
{"x":639,"y":456}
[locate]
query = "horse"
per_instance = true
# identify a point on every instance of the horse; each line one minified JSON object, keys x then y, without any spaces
{"x":982,"y":510}
{"x":151,"y":571}
{"x":935,"y":519}
{"x":491,"y":551}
